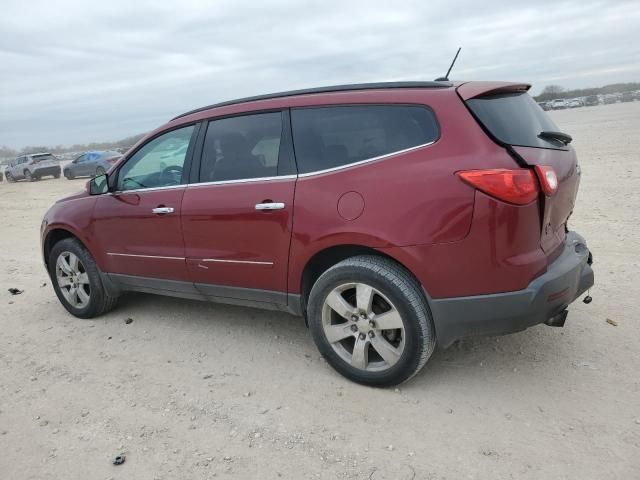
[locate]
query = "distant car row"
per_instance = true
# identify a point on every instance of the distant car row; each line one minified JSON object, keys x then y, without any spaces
{"x":37,"y":165}
{"x":590,"y":100}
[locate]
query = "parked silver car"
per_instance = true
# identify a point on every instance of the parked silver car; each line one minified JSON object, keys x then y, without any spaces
{"x":33,"y":167}
{"x":91,"y":164}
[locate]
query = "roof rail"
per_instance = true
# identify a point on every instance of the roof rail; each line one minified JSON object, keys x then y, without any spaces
{"x":334,"y":88}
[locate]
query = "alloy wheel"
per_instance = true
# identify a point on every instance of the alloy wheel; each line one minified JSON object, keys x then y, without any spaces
{"x":363,"y":327}
{"x":73,"y":280}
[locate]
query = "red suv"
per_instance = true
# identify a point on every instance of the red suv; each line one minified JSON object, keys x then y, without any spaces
{"x":392,"y":216}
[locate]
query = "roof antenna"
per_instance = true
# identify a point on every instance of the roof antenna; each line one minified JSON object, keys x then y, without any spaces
{"x":446,"y":77}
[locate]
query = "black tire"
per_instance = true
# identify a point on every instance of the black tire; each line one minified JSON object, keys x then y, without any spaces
{"x":99,"y":300}
{"x":405,"y":294}
{"x":56,"y":175}
{"x":69,"y":175}
{"x":9,"y":177}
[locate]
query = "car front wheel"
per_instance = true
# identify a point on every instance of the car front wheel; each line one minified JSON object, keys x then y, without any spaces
{"x":369,"y":318}
{"x":76,"y":280}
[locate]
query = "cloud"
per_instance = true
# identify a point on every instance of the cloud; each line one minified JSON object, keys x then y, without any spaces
{"x":77,"y":71}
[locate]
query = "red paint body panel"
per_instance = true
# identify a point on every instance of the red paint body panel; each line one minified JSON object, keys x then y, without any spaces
{"x":456,"y":241}
{"x":75,"y":215}
{"x":221,"y":222}
{"x":413,"y":198}
{"x":501,"y":253}
{"x":124,"y":224}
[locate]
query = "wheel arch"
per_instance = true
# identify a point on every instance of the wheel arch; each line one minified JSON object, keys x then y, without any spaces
{"x":326,"y":258}
{"x":54,"y":236}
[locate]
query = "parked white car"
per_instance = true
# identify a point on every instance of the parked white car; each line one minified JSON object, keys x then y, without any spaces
{"x":33,"y":167}
{"x":558,"y":104}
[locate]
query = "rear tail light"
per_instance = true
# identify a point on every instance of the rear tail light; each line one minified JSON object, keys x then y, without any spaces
{"x":548,"y":179}
{"x":513,"y":186}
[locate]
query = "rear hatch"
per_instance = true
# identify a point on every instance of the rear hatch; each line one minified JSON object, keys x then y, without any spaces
{"x":513,"y":119}
{"x":43,"y":160}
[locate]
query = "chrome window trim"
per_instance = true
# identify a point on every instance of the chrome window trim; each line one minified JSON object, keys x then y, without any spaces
{"x":143,"y":256}
{"x":242,"y":180}
{"x":362,"y":162}
{"x":148,"y":189}
{"x":220,"y":260}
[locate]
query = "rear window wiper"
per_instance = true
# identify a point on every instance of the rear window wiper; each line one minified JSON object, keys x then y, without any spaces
{"x":559,"y":136}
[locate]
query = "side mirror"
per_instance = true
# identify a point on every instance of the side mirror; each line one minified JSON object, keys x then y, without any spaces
{"x":98,"y":185}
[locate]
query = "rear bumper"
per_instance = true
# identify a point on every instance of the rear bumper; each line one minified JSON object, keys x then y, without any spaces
{"x":44,"y":171}
{"x":566,"y":279}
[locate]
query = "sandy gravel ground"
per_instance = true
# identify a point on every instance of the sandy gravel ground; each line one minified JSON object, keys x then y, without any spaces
{"x":196,"y":391}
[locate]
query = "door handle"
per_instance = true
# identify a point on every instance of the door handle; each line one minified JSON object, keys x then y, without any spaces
{"x":270,"y":206}
{"x":162,"y":210}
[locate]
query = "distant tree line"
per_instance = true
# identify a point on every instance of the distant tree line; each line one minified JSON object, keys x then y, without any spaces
{"x":551,"y":92}
{"x":125,"y":143}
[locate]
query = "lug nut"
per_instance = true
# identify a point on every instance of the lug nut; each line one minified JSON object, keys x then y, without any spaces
{"x":354,"y":318}
{"x":363,"y":315}
{"x":372,"y":324}
{"x":371,"y":334}
{"x":362,"y":336}
{"x":354,"y":328}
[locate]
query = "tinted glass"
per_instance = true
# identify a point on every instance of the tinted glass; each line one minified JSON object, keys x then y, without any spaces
{"x":515,"y":119}
{"x":158,"y":163}
{"x":43,"y":157}
{"x":329,"y":137}
{"x":242,"y":147}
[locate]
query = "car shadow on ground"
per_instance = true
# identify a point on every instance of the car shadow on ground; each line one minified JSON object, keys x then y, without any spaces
{"x":509,"y":356}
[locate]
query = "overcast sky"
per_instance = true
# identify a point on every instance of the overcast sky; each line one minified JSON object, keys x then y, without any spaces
{"x":79,"y":71}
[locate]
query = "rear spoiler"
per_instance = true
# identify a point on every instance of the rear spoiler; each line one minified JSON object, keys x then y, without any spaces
{"x":479,"y":89}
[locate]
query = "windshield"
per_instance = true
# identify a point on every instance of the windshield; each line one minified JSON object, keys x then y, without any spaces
{"x":515,"y":119}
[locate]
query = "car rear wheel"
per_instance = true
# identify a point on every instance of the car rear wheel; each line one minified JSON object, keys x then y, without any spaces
{"x":100,"y":171}
{"x":77,"y":281}
{"x":370,"y":320}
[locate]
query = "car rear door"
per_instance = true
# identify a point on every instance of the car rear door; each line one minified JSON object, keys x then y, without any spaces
{"x":237,"y":215}
{"x":138,"y":226}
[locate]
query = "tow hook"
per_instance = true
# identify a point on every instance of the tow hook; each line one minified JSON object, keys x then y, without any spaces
{"x":587,"y":299}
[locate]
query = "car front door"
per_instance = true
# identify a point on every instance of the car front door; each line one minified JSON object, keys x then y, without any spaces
{"x":77,"y":166}
{"x":138,"y":226}
{"x":237,"y":215}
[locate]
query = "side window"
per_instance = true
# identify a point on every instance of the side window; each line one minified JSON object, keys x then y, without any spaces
{"x":242,"y":147}
{"x":80,"y":159}
{"x":158,"y":163}
{"x":328,"y":137}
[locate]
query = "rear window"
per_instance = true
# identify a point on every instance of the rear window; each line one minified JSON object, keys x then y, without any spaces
{"x":329,"y":137}
{"x":514,"y":119}
{"x":44,"y":156}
